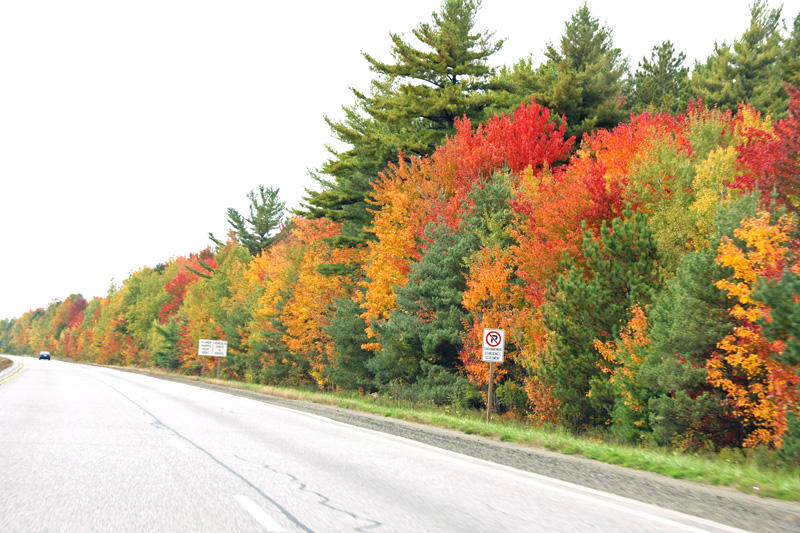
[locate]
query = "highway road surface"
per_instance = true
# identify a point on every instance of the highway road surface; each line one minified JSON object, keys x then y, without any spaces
{"x":93,"y":449}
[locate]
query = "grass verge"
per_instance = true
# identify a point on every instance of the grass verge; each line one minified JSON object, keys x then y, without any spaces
{"x":753,"y":471}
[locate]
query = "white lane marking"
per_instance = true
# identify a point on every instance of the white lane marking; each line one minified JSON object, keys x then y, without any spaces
{"x":258,"y":513}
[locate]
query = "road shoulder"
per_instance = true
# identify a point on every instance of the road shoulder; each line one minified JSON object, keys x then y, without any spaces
{"x":9,"y":371}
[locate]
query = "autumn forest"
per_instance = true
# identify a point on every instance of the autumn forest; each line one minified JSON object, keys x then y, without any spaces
{"x":633,"y":228}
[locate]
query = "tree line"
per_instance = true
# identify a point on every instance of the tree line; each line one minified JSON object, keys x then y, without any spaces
{"x":635,"y":234}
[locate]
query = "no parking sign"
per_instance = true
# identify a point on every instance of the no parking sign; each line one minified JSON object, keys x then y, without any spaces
{"x":494,"y":345}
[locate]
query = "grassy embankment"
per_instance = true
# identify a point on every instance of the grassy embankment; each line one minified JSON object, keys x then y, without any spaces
{"x":5,"y":362}
{"x":760,"y":472}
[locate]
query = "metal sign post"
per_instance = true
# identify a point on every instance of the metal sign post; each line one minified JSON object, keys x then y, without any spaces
{"x":494,"y":346}
{"x":491,"y":392}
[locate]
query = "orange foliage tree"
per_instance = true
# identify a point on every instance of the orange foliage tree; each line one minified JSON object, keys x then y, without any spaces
{"x":761,"y":390}
{"x":297,"y":300}
{"x":309,"y":308}
{"x":402,"y":203}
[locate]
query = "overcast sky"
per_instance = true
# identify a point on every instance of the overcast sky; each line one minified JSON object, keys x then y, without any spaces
{"x":128,"y":128}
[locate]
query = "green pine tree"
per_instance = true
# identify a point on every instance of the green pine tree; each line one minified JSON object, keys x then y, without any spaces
{"x":756,"y":58}
{"x":428,"y":323}
{"x":429,"y":319}
{"x":747,"y":71}
{"x":661,"y":82}
{"x":260,"y":230}
{"x":712,"y":81}
{"x":164,"y":342}
{"x":410,"y":109}
{"x":593,"y":301}
{"x":789,"y":63}
{"x":348,"y":368}
{"x":687,"y":321}
{"x":454,"y":71}
{"x":345,"y":179}
{"x":584,"y":78}
{"x":515,"y":84}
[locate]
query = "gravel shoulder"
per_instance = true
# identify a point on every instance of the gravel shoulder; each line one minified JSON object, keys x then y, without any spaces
{"x":722,"y":505}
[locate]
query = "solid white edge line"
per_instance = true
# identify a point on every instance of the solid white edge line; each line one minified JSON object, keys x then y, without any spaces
{"x":259,"y":514}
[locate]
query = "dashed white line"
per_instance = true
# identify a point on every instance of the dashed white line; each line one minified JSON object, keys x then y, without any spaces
{"x":259,"y":514}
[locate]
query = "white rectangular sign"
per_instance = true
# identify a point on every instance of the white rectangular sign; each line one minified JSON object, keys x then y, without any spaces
{"x":212,"y":348}
{"x":494,"y":345}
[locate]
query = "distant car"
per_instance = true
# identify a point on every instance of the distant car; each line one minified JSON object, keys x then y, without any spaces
{"x":44,"y":355}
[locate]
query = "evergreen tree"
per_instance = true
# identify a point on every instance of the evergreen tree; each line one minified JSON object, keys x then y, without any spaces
{"x":584,"y":78}
{"x":164,"y":343}
{"x":429,"y":318}
{"x":748,"y":71}
{"x":409,"y":109}
{"x":428,"y":323}
{"x":687,"y":322}
{"x":258,"y":231}
{"x":348,"y":369}
{"x":454,"y":71}
{"x":690,"y":318}
{"x":712,"y":81}
{"x":789,"y":64}
{"x":662,"y":82}
{"x":781,"y":296}
{"x":593,"y":301}
{"x":756,"y":58}
{"x":345,"y":179}
{"x":514,"y":85}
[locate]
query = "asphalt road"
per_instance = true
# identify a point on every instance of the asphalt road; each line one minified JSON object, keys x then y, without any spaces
{"x":87,"y":448}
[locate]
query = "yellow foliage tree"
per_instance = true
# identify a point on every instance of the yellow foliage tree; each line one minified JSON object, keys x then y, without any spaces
{"x":761,"y":390}
{"x":711,"y":190}
{"x":400,"y":196}
{"x":299,"y":297}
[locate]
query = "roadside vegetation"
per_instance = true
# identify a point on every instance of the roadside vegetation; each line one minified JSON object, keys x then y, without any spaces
{"x":634,"y":232}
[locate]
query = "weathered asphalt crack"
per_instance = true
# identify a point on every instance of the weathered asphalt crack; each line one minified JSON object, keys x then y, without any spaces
{"x":722,"y":505}
{"x":161,"y":425}
{"x":324,"y":500}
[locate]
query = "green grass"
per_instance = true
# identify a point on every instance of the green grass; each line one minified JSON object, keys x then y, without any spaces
{"x":758,"y":472}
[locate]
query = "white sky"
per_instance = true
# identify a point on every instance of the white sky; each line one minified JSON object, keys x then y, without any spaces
{"x":128,"y":128}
